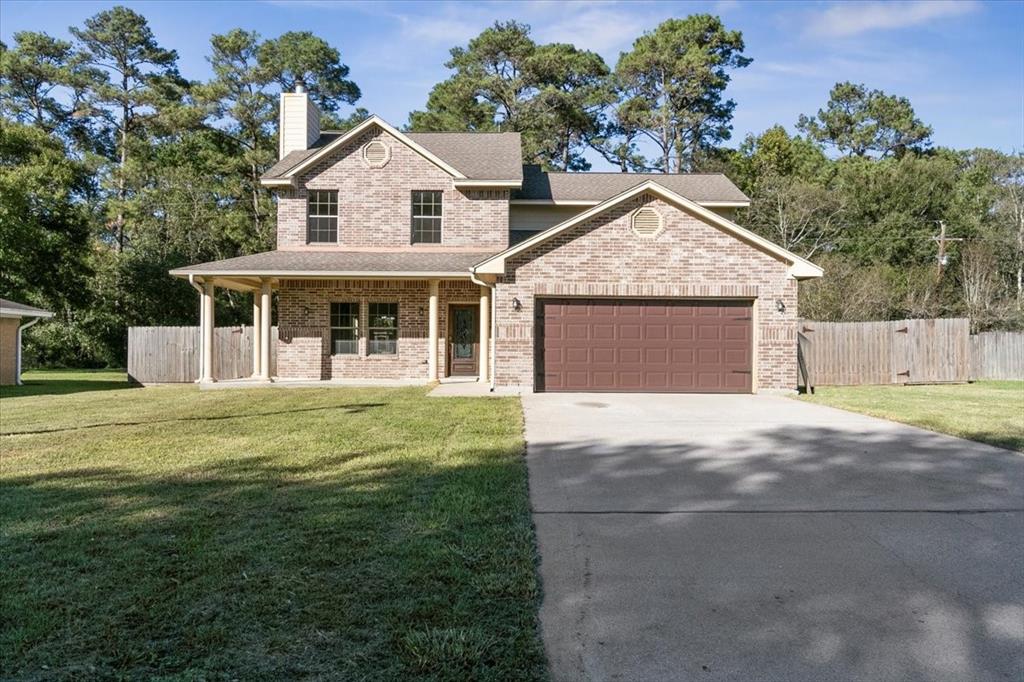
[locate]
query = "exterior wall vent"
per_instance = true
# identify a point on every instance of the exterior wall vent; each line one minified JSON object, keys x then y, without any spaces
{"x":646,"y":223}
{"x":376,"y":154}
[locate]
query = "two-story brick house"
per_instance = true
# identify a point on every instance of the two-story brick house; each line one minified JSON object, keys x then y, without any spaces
{"x":419,"y":256}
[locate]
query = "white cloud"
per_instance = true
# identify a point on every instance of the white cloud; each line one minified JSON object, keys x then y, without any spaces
{"x":805,"y":69}
{"x":448,"y":30}
{"x":849,"y":19}
{"x":601,"y":29}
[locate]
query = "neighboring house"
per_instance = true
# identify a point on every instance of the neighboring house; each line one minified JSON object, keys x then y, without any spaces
{"x":419,"y":256}
{"x":11,"y":316}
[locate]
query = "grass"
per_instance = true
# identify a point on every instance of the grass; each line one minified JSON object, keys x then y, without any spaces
{"x":352,"y":534}
{"x":63,"y":382}
{"x":987,"y":411}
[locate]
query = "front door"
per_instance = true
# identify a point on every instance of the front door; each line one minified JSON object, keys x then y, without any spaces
{"x":463,"y":340}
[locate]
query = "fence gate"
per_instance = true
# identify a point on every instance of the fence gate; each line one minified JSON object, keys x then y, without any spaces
{"x":897,"y":352}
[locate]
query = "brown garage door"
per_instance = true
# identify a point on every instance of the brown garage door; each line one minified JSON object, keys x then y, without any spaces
{"x":643,"y":345}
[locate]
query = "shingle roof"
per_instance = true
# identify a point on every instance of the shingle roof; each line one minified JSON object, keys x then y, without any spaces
{"x":293,"y":159}
{"x":541,"y":185}
{"x":478,"y":156}
{"x":283,"y":263}
{"x":497,"y":156}
{"x":13,"y":308}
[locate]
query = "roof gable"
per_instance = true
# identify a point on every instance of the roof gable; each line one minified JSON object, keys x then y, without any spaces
{"x":319,"y":152}
{"x":469,"y":158}
{"x":799,"y":268}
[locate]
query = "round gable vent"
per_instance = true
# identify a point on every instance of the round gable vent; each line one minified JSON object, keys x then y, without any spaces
{"x":646,"y":222}
{"x":376,"y":154}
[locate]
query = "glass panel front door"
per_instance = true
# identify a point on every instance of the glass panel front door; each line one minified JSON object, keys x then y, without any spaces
{"x":464,"y":340}
{"x":464,"y":333}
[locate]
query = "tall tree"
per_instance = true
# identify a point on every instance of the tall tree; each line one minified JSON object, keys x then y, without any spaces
{"x":241,"y":97}
{"x":45,"y":231}
{"x":789,"y":182}
{"x":140,"y":77}
{"x":43,"y":82}
{"x":553,"y":94}
{"x":672,"y":83}
{"x":301,"y":56}
{"x":44,"y":219}
{"x":860,"y":121}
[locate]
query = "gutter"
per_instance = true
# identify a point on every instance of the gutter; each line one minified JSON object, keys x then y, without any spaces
{"x":494,"y":325}
{"x":17,"y":354}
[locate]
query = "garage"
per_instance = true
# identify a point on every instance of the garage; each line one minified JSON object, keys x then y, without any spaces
{"x":633,"y":345}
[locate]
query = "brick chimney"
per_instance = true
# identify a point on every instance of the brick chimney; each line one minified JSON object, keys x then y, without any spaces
{"x":299,"y":121}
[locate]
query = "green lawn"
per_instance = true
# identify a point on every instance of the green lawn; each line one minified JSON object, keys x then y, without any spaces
{"x":351,"y":534}
{"x":987,"y":411}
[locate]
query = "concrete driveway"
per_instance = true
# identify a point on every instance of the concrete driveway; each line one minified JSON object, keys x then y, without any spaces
{"x":689,"y":537}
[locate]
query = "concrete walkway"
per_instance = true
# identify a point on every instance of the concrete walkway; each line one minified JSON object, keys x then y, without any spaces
{"x":762,"y":538}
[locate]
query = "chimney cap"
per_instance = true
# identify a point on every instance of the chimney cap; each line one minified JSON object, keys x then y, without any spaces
{"x":300,"y":86}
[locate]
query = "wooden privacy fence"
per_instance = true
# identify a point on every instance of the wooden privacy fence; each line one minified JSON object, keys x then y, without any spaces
{"x":158,"y":355}
{"x":896,"y":352}
{"x":997,"y":355}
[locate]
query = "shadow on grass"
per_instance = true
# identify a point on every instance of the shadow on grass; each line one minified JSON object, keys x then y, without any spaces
{"x":354,"y":408}
{"x":346,"y":566}
{"x":60,"y":382}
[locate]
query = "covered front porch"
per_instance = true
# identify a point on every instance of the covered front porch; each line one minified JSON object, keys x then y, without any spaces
{"x":359,"y":330}
{"x":357,"y":315}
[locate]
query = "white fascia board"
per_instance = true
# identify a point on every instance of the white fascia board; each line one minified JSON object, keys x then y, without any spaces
{"x":590,"y":202}
{"x":513,"y":184}
{"x":724,"y":204}
{"x":387,"y":127}
{"x":375,"y":274}
{"x":277,"y":182}
{"x":15,"y":312}
{"x":554,"y":202}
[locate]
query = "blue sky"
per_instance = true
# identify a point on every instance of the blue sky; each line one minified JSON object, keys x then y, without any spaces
{"x":960,"y":63}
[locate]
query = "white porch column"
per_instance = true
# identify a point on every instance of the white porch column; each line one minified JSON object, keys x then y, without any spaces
{"x":256,"y":322}
{"x":207,"y":325}
{"x":265,"y":339}
{"x":432,"y":335}
{"x":485,"y":333}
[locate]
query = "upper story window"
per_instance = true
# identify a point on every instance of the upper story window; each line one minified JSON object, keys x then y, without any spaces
{"x":426,"y":217}
{"x":322,"y":216}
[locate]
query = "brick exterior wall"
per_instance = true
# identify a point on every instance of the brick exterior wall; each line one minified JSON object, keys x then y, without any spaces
{"x":375,"y":204}
{"x":303,"y":350}
{"x":688,"y":259}
{"x":8,"y":349}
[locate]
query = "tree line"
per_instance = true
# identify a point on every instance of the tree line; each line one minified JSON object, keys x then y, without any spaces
{"x":114,"y":168}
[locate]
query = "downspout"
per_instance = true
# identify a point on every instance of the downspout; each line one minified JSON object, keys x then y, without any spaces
{"x":17,"y":352}
{"x":199,"y":288}
{"x":494,"y":323}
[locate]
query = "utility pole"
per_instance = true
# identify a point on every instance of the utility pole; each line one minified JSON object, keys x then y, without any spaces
{"x":942,"y":239}
{"x":942,"y":248}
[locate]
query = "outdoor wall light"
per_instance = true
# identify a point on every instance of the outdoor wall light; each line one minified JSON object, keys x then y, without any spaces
{"x":516,"y":304}
{"x":780,"y":306}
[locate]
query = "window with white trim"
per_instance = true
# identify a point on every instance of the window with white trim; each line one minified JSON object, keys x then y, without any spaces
{"x":322,"y":216}
{"x":382,"y":331}
{"x":426,"y":217}
{"x":344,"y":328}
